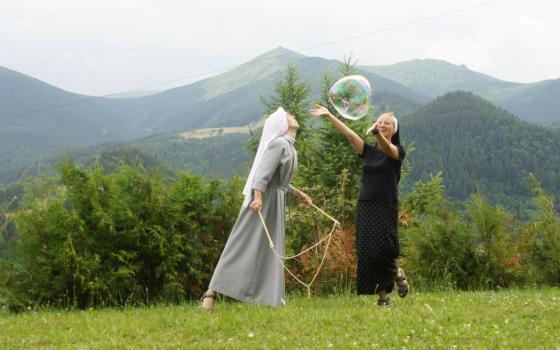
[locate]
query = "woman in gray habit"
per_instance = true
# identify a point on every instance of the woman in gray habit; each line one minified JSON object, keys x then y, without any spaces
{"x":248,"y":269}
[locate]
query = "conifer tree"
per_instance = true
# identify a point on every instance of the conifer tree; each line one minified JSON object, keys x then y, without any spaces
{"x":335,"y":155}
{"x":291,"y":94}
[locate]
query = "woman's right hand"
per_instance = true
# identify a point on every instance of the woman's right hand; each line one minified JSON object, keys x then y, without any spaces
{"x":319,"y":111}
{"x":256,"y":204}
{"x":303,"y":197}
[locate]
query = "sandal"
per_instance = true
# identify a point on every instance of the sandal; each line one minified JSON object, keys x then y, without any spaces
{"x":384,"y":302}
{"x":206,"y":295}
{"x":402,"y":283}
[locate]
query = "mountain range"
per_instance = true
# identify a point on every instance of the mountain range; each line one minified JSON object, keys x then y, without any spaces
{"x":477,"y":146}
{"x":535,"y":102}
{"x":39,"y":120}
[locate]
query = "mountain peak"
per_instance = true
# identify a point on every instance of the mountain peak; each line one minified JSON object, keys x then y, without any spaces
{"x":281,"y":53}
{"x":436,"y":77}
{"x":428,"y":63}
{"x":256,"y":69}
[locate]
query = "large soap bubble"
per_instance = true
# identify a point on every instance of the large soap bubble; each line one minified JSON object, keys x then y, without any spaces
{"x":350,"y":96}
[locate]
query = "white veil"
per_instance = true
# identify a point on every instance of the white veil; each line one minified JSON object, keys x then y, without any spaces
{"x":276,"y":125}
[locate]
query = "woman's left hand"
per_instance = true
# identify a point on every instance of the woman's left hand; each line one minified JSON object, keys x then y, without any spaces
{"x":374,"y":130}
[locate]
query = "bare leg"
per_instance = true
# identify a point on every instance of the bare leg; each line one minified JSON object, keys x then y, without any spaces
{"x":383,"y":298}
{"x":402,"y":283}
{"x":208,"y":299}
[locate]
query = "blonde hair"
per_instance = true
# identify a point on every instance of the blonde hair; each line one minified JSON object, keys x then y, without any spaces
{"x":392,"y":116}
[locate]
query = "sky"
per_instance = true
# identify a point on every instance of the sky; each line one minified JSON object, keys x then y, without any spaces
{"x":101,"y":47}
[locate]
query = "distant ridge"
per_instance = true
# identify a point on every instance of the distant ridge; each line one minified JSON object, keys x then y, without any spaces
{"x":535,"y":102}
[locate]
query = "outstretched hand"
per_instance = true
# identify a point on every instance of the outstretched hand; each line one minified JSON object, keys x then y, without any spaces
{"x":319,"y":111}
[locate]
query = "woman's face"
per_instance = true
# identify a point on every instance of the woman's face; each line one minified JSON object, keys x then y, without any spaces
{"x":386,"y":126}
{"x":292,"y":122}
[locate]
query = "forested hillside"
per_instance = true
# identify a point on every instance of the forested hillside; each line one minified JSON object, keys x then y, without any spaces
{"x":481,"y":148}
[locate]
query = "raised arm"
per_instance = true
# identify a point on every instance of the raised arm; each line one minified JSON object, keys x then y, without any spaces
{"x":355,"y":140}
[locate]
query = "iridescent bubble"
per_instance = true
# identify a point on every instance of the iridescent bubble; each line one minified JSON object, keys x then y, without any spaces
{"x":350,"y":96}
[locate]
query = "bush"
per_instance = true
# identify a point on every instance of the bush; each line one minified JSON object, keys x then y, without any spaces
{"x":120,"y":238}
{"x":540,"y":239}
{"x":444,"y":247}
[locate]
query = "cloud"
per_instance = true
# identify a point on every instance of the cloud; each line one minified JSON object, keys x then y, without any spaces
{"x":100,"y":47}
{"x":26,"y":24}
{"x":464,"y":51}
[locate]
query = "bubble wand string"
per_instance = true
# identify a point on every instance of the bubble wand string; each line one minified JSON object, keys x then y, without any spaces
{"x":282,"y":258}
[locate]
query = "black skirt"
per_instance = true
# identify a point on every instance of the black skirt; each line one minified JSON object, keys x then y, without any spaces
{"x":377,"y":245}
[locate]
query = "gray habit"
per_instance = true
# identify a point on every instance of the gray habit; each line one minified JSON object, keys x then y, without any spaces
{"x":248,"y":270}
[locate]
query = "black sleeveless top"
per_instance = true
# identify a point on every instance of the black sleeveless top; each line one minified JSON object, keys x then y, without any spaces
{"x":380,"y":174}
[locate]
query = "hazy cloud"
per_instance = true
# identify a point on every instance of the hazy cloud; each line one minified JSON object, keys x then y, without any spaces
{"x":101,"y":47}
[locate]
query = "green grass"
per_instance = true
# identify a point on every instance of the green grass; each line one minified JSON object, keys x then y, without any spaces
{"x":509,"y":319}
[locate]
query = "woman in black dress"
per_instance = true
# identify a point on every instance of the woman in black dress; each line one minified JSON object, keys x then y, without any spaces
{"x":377,"y":244}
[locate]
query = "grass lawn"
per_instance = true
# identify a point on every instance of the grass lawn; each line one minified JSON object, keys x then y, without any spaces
{"x":508,"y":319}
